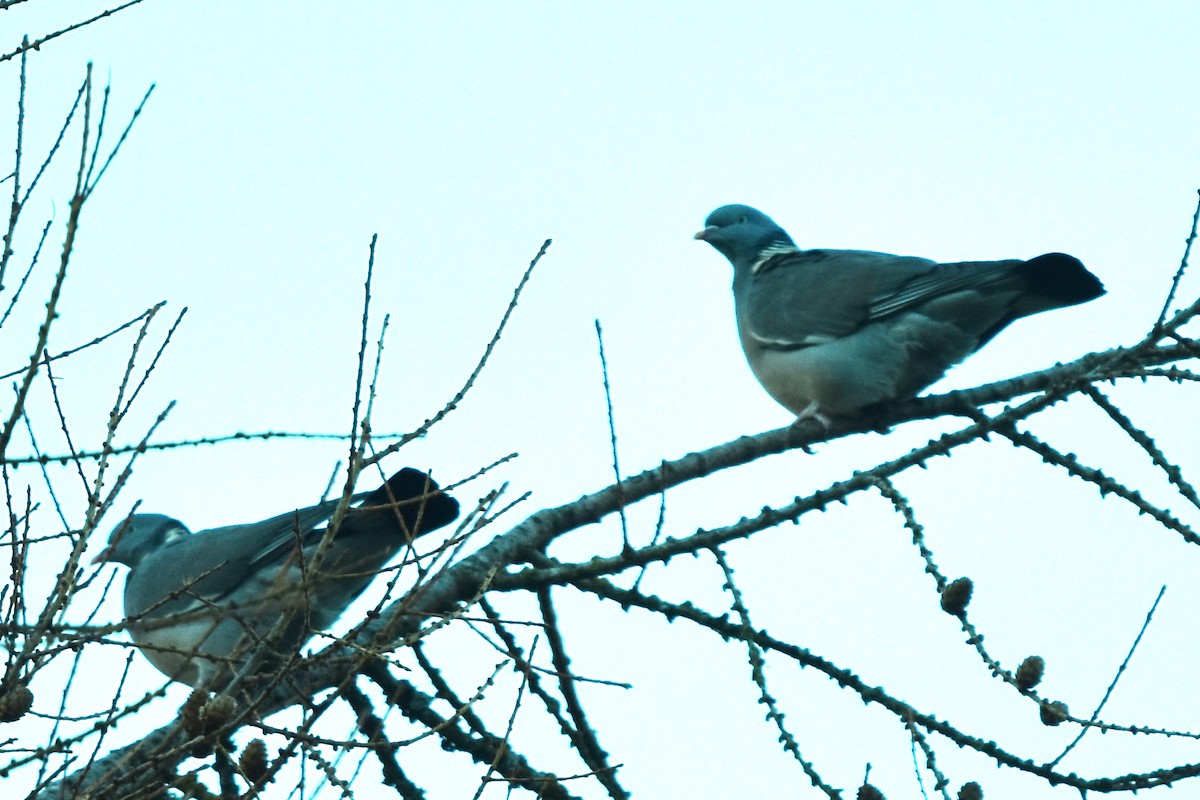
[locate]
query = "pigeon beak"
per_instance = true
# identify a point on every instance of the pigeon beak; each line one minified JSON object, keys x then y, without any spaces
{"x":704,"y":234}
{"x":102,"y":556}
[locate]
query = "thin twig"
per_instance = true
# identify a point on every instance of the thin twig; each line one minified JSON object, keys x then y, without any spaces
{"x":612,"y":436}
{"x":37,"y":44}
{"x":1116,"y":678}
{"x":470,"y":382}
{"x":1183,"y":265}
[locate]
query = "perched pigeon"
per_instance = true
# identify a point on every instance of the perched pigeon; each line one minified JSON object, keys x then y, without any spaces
{"x":829,"y":332}
{"x":198,"y":605}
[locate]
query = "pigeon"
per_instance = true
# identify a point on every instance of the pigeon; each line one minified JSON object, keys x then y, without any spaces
{"x":199,"y":606}
{"x":831,"y":332}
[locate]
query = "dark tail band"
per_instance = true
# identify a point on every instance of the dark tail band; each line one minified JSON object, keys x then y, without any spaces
{"x":1062,"y":278}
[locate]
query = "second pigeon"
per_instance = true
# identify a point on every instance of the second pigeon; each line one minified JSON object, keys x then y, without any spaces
{"x":829,"y":332}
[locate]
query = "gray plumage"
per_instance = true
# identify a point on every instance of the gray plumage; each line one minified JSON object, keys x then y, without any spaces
{"x":198,"y":605}
{"x":829,"y":332}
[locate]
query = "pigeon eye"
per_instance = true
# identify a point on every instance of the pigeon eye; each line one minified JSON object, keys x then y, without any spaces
{"x":742,"y":219}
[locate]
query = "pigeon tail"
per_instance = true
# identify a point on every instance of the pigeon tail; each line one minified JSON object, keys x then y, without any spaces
{"x":422,"y":505}
{"x":1061,"y":280}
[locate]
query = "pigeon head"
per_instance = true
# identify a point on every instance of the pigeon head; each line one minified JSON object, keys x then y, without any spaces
{"x":138,"y":535}
{"x":742,"y":234}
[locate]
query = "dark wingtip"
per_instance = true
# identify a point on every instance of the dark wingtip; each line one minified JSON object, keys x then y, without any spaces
{"x":436,"y":509}
{"x":1063,"y":279}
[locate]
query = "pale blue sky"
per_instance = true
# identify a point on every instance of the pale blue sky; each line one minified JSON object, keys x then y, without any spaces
{"x":282,"y":136}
